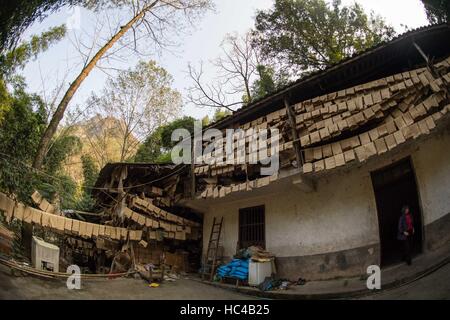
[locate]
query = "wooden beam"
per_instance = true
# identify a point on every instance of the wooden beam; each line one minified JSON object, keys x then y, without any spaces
{"x":193,"y":167}
{"x":297,"y":147}
{"x":430,"y":66}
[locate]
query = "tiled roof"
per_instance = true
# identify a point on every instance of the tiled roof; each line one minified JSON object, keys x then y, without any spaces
{"x":351,"y":125}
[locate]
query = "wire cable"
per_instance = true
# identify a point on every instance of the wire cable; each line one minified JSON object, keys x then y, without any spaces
{"x":38,"y":171}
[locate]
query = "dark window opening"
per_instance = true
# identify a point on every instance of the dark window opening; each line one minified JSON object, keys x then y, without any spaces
{"x":252,"y":229}
{"x":47,"y":266}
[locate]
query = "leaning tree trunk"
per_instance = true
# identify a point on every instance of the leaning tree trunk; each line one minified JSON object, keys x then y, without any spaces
{"x":61,"y":109}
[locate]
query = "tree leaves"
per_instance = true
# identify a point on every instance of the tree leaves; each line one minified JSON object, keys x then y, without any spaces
{"x":16,"y":16}
{"x":157,"y":146}
{"x":16,"y":59}
{"x":308,"y":35}
{"x":22,"y":121}
{"x":438,"y":11}
{"x":142,"y":100}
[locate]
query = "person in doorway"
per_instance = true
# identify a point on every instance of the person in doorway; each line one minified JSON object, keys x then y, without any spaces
{"x":406,"y":233}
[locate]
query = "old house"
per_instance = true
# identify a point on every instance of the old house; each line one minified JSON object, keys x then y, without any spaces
{"x":371,"y":134}
{"x":357,"y":142}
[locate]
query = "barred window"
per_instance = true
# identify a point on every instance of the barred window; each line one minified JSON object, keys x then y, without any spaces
{"x":252,"y":229}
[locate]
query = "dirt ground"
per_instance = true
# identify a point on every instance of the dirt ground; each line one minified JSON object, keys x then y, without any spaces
{"x":433,"y":286}
{"x":13,"y":287}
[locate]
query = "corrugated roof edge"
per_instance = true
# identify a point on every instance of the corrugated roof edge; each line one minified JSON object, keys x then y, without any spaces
{"x":287,"y":88}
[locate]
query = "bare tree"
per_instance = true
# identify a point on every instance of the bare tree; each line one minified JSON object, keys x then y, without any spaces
{"x":150,"y":17}
{"x":140,"y":100}
{"x":236,"y":70}
{"x":100,"y":133}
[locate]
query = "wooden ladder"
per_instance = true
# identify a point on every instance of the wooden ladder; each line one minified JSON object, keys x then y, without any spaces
{"x":213,"y":247}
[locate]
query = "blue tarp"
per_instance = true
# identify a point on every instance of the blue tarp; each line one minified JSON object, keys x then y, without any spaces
{"x":238,"y":268}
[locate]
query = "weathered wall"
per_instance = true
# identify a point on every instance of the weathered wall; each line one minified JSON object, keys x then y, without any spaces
{"x":334,"y":231}
{"x":340,"y":216}
{"x":432,"y":166}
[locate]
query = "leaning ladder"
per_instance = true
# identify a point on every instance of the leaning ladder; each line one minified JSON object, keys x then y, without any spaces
{"x":213,"y":247}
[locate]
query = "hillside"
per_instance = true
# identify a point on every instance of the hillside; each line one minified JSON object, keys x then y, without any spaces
{"x":101,"y":138}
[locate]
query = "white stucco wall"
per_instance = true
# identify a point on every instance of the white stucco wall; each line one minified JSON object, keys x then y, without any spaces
{"x":342,"y":213}
{"x":432,"y":166}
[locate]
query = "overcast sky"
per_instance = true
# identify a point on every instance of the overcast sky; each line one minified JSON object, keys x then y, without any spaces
{"x":203,"y":44}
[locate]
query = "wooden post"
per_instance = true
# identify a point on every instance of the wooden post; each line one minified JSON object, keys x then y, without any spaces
{"x":430,"y":65}
{"x":297,"y":147}
{"x":193,"y":167}
{"x":133,"y":258}
{"x":121,"y":194}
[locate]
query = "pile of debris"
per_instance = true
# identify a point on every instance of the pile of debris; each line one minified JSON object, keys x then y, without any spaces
{"x":132,"y":234}
{"x":158,"y":264}
{"x":238,"y":268}
{"x":273,"y":283}
{"x":255,"y":253}
{"x":6,"y":240}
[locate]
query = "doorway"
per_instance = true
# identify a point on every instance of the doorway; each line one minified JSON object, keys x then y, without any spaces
{"x":395,"y":186}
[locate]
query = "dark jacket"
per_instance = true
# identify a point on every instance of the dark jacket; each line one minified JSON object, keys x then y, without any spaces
{"x":402,"y":227}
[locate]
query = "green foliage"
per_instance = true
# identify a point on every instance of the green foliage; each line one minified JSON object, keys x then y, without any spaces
{"x":5,"y":101}
{"x":151,"y":149}
{"x":157,"y":147}
{"x":438,"y":11}
{"x":16,"y":59}
{"x":219,"y":114}
{"x":90,"y":172}
{"x":268,"y":81}
{"x":165,"y":157}
{"x":265,"y":84}
{"x":307,"y":35}
{"x":19,"y":133}
{"x":22,"y":122}
{"x":20,"y":130}
{"x":60,"y":187}
{"x":205,"y":121}
{"x":53,"y":182}
{"x":166,"y":132}
{"x":90,"y":175}
{"x":98,"y":5}
{"x":62,"y":148}
{"x":16,"y":16}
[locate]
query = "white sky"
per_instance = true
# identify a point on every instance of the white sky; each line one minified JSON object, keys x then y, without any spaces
{"x":203,"y":44}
